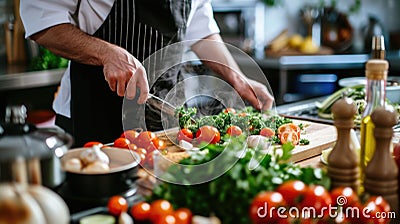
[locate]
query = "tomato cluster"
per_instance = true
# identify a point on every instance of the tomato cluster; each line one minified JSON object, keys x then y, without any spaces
{"x":143,"y":143}
{"x":206,"y":133}
{"x":160,"y":212}
{"x":296,"y":202}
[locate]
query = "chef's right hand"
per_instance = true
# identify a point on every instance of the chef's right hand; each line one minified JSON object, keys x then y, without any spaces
{"x":124,"y":73}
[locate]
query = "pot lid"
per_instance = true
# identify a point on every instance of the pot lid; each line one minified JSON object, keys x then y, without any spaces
{"x":20,"y":139}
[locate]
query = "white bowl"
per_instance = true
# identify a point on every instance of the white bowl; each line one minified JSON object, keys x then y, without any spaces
{"x":392,"y":87}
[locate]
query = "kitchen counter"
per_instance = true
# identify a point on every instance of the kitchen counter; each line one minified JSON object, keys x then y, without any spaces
{"x":15,"y":77}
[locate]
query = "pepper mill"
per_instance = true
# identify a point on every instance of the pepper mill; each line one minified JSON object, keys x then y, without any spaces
{"x":343,"y":162}
{"x":381,"y":172}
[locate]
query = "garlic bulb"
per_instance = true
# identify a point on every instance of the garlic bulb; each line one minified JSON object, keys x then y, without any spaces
{"x":73,"y":165}
{"x":96,"y":167}
{"x":94,"y":154}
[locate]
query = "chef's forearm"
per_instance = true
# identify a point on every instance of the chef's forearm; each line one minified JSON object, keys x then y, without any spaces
{"x":69,"y":42}
{"x":216,"y":56}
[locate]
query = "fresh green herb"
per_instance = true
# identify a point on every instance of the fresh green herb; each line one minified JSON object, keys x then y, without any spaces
{"x":304,"y":141}
{"x":47,"y":60}
{"x":229,"y":196}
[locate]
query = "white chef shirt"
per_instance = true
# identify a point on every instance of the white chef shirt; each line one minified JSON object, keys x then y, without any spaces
{"x":38,"y":15}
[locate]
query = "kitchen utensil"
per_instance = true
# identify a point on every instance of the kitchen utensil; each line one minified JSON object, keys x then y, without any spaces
{"x":21,"y":139}
{"x":161,"y":104}
{"x":124,"y":165}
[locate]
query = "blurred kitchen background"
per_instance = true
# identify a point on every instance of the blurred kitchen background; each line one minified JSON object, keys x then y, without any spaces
{"x":303,"y":47}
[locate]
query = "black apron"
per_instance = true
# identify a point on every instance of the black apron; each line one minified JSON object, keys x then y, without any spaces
{"x":141,"y":27}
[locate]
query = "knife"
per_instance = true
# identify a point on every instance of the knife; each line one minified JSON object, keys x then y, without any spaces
{"x":161,"y":104}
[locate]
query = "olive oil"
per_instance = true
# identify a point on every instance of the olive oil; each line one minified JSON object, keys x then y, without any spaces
{"x":376,"y":73}
{"x":367,"y":140}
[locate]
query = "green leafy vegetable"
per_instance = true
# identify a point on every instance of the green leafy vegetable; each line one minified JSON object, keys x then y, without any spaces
{"x":229,"y":196}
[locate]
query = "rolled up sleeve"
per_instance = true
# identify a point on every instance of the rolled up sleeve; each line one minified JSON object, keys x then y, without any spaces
{"x":38,"y":15}
{"x":202,"y":22}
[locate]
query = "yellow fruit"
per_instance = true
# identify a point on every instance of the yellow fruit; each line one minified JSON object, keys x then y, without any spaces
{"x":308,"y":46}
{"x":295,"y":41}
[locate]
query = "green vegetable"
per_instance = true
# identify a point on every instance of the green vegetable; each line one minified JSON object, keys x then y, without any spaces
{"x":229,"y":196}
{"x":47,"y":60}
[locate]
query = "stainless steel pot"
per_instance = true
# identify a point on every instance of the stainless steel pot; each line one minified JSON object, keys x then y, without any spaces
{"x":20,"y":139}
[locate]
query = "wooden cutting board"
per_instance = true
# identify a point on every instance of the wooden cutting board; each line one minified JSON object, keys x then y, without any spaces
{"x":321,"y":136}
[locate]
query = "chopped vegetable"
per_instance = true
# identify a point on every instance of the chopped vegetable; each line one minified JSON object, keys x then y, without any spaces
{"x":239,"y":185}
{"x":98,"y":219}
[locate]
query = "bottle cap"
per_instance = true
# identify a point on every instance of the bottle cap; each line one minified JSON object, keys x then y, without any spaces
{"x":376,"y":69}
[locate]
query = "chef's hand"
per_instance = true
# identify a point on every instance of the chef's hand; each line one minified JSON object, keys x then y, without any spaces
{"x":255,"y":93}
{"x":124,"y":73}
{"x":263,"y":99}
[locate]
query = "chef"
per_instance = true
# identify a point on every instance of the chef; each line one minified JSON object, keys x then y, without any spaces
{"x":106,"y":41}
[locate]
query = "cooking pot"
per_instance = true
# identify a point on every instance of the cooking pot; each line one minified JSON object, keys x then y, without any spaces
{"x":121,"y":176}
{"x":20,"y":139}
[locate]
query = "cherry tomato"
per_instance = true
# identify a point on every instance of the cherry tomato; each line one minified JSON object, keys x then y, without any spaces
{"x":292,"y":191}
{"x":230,"y":110}
{"x":122,"y":143}
{"x":117,"y":204}
{"x":289,"y":136}
{"x":144,"y":139}
{"x":140,"y":211}
{"x":260,"y":208}
{"x":208,"y":134}
{"x":234,"y":130}
{"x":267,"y":132}
{"x":130,"y":134}
{"x":183,"y":216}
{"x":317,"y":197}
{"x":376,"y":210}
{"x":185,"y":134}
{"x":142,"y":154}
{"x":344,"y":196}
{"x":159,"y":208}
{"x":166,"y":219}
{"x":91,"y":144}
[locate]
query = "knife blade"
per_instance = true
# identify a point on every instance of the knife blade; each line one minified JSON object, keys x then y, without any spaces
{"x":161,"y":104}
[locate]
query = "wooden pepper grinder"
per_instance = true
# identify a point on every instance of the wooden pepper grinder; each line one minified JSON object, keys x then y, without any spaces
{"x":343,"y":166}
{"x":381,"y":172}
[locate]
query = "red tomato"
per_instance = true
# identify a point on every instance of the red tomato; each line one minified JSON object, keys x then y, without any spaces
{"x":208,"y":134}
{"x":144,"y":139}
{"x":130,"y":134}
{"x":230,"y":110}
{"x":317,"y":197}
{"x":117,"y":204}
{"x":155,"y":144}
{"x":122,"y":143}
{"x":292,"y":191}
{"x":140,"y":211}
{"x":264,"y":207}
{"x":267,"y":132}
{"x":374,"y":210}
{"x":159,"y":208}
{"x":166,"y":219}
{"x":183,"y":216}
{"x":185,"y":134}
{"x":91,"y":144}
{"x":289,"y":136}
{"x":234,"y":130}
{"x":142,"y":154}
{"x":344,"y":196}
